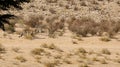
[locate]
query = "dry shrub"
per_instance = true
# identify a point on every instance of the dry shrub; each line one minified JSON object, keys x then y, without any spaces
{"x":87,"y":25}
{"x":110,"y":26}
{"x":29,"y":33}
{"x":83,"y":26}
{"x":54,"y":25}
{"x":33,"y":21}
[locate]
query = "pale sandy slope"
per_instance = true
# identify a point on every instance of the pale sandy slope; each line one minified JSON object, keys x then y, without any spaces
{"x":64,"y":43}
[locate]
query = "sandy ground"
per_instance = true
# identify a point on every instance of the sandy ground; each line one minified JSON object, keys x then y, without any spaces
{"x":63,"y":52}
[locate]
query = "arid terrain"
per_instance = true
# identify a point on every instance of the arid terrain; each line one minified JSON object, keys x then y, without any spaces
{"x":62,"y":33}
{"x":64,"y":51}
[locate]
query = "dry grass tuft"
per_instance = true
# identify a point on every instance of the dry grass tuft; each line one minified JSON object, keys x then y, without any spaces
{"x":20,"y":58}
{"x":38,"y":51}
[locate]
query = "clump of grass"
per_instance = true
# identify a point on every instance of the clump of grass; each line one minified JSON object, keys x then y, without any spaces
{"x":38,"y":51}
{"x":51,"y":46}
{"x":20,"y":58}
{"x":105,"y":39}
{"x":106,"y":51}
{"x":2,"y":48}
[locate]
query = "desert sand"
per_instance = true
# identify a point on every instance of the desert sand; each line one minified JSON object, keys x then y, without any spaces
{"x":63,"y":51}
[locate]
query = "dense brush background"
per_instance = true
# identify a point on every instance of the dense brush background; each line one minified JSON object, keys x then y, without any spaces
{"x":82,"y":16}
